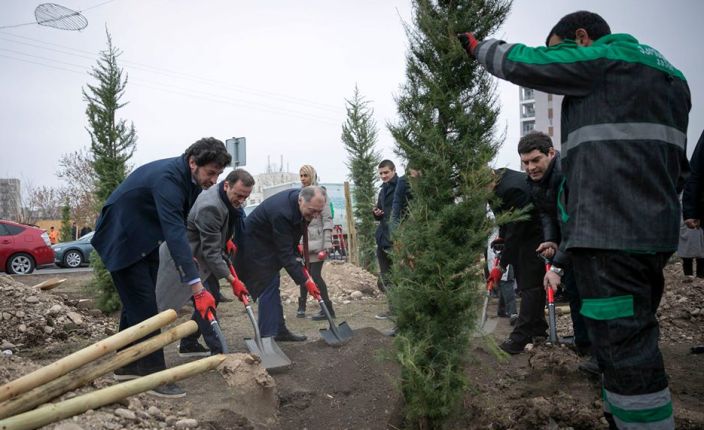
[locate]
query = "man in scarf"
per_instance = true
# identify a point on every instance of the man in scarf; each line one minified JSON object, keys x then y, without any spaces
{"x":216,"y":218}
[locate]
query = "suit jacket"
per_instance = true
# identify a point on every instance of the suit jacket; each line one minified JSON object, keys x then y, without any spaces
{"x":271,"y":236}
{"x":385,"y":202}
{"x":149,"y":207}
{"x":208,"y":228}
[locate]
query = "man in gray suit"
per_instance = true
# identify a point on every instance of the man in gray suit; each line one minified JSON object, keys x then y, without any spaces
{"x":216,"y":217}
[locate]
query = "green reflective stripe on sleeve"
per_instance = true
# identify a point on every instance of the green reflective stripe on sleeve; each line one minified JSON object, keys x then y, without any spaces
{"x":608,"y":308}
{"x":651,"y":415}
{"x":564,"y":217}
{"x":615,"y":47}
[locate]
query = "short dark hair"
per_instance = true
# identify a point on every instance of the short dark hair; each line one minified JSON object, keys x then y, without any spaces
{"x":387,"y":163}
{"x":240,"y":175}
{"x":535,"y":140}
{"x":208,"y":150}
{"x":566,"y":27}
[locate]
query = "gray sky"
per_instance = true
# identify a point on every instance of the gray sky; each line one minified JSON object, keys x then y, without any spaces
{"x":276,"y":72}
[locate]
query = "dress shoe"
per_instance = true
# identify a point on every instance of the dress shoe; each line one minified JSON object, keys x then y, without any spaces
{"x":287,"y":336}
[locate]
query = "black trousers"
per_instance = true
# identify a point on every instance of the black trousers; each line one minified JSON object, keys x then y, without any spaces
{"x":579,"y":327}
{"x":688,"y":267}
{"x":204,"y":328}
{"x":136,"y":285}
{"x":316,"y":272}
{"x":384,"y":259}
{"x":621,"y":293}
{"x":530,"y":270}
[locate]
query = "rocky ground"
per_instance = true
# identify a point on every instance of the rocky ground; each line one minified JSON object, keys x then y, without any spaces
{"x":354,"y":386}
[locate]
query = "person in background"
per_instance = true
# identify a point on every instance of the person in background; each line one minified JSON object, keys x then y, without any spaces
{"x":319,"y":247}
{"x":53,"y":235}
{"x":382,"y":213}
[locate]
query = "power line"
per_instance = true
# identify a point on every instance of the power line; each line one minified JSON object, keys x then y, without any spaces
{"x":184,"y":76}
{"x":35,"y":22}
{"x":172,"y":89}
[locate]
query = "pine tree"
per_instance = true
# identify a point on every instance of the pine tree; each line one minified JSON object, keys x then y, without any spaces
{"x":65,"y":234}
{"x":447,"y":110}
{"x":112,"y":144}
{"x":359,"y":134}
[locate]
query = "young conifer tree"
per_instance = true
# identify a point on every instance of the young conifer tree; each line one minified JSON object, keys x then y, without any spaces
{"x":359,"y":134}
{"x":446,"y":129}
{"x":65,"y":232}
{"x":112,"y":144}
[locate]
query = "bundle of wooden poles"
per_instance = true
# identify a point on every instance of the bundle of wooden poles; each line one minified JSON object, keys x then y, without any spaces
{"x":19,"y":399}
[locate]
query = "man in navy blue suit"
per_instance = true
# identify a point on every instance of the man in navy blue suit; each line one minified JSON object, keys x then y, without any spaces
{"x":272,"y":233}
{"x":150,"y":206}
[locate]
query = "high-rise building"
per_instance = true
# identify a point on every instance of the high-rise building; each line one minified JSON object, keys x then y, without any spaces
{"x":10,"y":201}
{"x":540,"y":111}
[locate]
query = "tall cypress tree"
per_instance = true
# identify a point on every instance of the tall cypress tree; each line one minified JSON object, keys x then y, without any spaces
{"x":359,"y":134}
{"x":112,"y":144}
{"x":447,"y":110}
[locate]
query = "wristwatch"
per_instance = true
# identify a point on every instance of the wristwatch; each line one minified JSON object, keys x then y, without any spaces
{"x":560,"y":272}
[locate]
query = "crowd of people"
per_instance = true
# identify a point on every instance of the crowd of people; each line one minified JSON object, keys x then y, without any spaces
{"x":604,"y":212}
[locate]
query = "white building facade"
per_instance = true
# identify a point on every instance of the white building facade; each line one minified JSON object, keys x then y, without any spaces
{"x":541,"y":112}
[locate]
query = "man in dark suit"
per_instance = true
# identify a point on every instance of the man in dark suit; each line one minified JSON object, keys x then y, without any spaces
{"x":521,"y":239}
{"x":215,"y":218}
{"x":272,"y":234}
{"x":148,"y":207}
{"x":382,"y":213}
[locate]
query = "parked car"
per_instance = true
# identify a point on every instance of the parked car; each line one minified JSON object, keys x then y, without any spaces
{"x":75,"y":253}
{"x":23,"y":248}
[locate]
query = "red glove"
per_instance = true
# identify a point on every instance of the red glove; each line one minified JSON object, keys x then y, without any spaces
{"x":312,"y":288}
{"x":205,"y":303}
{"x":238,"y":289}
{"x":469,"y":42}
{"x":230,"y":247}
{"x":495,"y":275}
{"x":322,"y":255}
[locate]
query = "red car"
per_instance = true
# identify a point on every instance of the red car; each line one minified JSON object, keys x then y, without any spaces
{"x":23,"y":247}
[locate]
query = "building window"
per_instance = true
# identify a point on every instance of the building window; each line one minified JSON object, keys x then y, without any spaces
{"x":550,"y":131}
{"x":549,"y":97}
{"x":550,"y":113}
{"x":526,"y":94}
{"x":527,"y":127}
{"x":528,"y":110}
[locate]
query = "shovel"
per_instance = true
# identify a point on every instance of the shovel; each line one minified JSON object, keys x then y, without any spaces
{"x":335,"y":335}
{"x":216,"y":329}
{"x":273,"y":358}
{"x":552,"y":319}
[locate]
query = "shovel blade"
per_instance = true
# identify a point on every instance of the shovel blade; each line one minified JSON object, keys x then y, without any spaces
{"x":273,"y":358}
{"x":337,"y":335}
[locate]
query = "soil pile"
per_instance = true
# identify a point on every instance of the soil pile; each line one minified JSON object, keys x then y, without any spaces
{"x":346,"y":282}
{"x":350,"y":387}
{"x":681,"y":311}
{"x":30,"y":318}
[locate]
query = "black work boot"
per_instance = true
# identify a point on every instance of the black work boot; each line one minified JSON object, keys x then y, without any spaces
{"x":301,"y":312}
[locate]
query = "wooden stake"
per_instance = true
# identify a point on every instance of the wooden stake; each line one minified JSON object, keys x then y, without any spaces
{"x":68,"y":408}
{"x":85,"y":355}
{"x":351,"y":229}
{"x":84,"y":375}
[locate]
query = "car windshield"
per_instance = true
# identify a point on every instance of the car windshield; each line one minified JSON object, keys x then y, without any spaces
{"x":86,"y":237}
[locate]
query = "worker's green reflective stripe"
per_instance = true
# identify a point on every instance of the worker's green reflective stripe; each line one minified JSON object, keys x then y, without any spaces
{"x":651,"y":415}
{"x":608,"y":308}
{"x":560,"y":202}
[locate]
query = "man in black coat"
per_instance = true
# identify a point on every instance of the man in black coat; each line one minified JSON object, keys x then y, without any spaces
{"x":521,"y":239}
{"x":382,"y":213}
{"x":272,"y":233}
{"x":148,"y":207}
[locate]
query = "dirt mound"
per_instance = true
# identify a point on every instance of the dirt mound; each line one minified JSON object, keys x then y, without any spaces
{"x":350,"y":387}
{"x":346,"y":282}
{"x":681,"y":311}
{"x":32,"y":318}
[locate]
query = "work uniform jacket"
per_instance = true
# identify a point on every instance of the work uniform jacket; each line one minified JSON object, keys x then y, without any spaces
{"x":272,"y":233}
{"x":149,"y":207}
{"x":624,"y":124}
{"x":385,"y":202}
{"x":211,"y":223}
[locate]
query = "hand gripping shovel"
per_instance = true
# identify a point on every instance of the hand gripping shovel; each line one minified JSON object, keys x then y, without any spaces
{"x":552,"y":319}
{"x":273,"y":358}
{"x":335,"y":335}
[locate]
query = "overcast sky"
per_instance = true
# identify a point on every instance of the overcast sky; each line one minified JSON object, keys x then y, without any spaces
{"x":276,"y":72}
